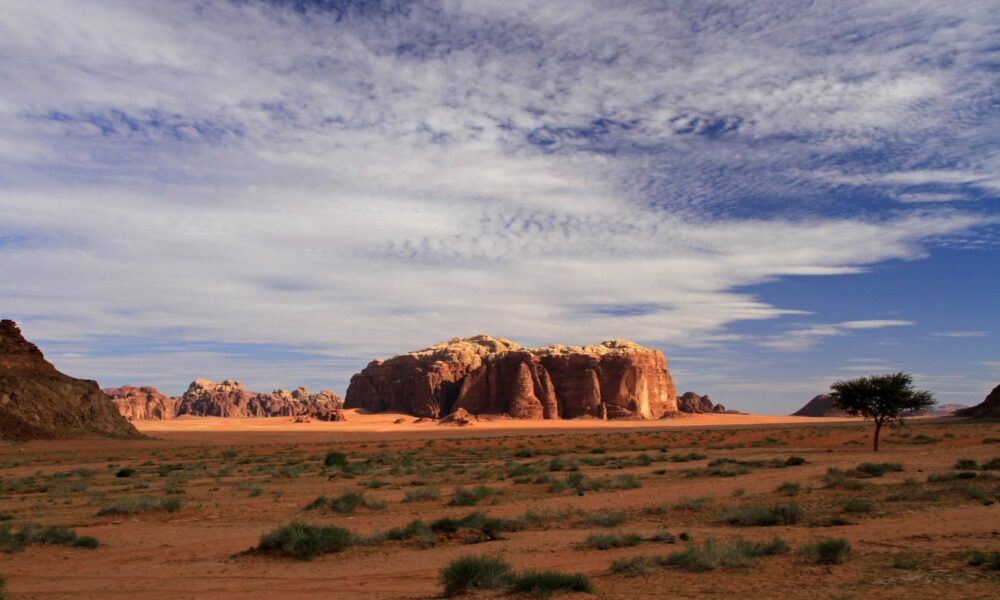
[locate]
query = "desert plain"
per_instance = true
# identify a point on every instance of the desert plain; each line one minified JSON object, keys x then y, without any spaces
{"x":642,"y":509}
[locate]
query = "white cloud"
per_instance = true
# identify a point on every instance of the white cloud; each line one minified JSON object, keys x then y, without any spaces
{"x":807,"y":337}
{"x":235,"y":172}
{"x":960,"y":334}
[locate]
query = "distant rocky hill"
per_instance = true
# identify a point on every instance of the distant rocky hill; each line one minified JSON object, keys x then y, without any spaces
{"x":37,"y":401}
{"x":943,"y":410}
{"x":488,"y":375}
{"x":205,"y":398}
{"x":142,"y":403}
{"x":820,"y":406}
{"x":691,"y":402}
{"x":987,"y":409}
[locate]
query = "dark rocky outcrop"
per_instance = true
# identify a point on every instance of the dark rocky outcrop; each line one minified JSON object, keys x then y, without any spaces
{"x":486,"y":375}
{"x":142,"y":403}
{"x":37,"y":401}
{"x":820,"y":406}
{"x":691,"y":402}
{"x":987,"y":409}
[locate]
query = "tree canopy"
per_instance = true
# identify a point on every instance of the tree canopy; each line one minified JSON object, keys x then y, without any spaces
{"x":882,"y":398}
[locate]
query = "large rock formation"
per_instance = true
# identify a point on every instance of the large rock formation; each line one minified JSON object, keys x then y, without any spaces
{"x":820,"y":406}
{"x":987,"y":409}
{"x":142,"y":403}
{"x":205,"y":398}
{"x":37,"y":401}
{"x":691,"y":402}
{"x":486,"y":375}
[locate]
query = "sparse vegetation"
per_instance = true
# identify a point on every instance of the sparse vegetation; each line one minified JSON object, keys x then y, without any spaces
{"x":828,"y":552}
{"x":421,"y":494}
{"x":605,"y":541}
{"x":14,"y":540}
{"x":346,"y":503}
{"x":712,"y":554}
{"x":463,"y":496}
{"x":141,"y":504}
{"x":472,"y":573}
{"x":546,"y":583}
{"x":763,"y":516}
{"x":304,"y":542}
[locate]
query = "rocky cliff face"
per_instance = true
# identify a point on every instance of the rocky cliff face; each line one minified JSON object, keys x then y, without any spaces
{"x":142,"y":403}
{"x":37,"y":401}
{"x":486,"y":375}
{"x":820,"y":406}
{"x":987,"y":409}
{"x":205,"y":398}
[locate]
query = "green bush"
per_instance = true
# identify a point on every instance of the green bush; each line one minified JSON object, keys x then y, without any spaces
{"x":828,"y":552}
{"x":462,"y":496}
{"x":335,"y":459}
{"x":346,"y":503}
{"x":141,"y":504}
{"x":987,"y":560}
{"x":966,"y":464}
{"x":427,"y":492}
{"x":858,"y":505}
{"x":636,"y":565}
{"x":603,"y":518}
{"x":605,"y":541}
{"x":992,"y":465}
{"x":126,"y":472}
{"x":794,"y":461}
{"x":545,"y":583}
{"x":12,"y":540}
{"x":304,"y":542}
{"x":470,"y":573}
{"x":712,"y":554}
{"x":763,"y":516}
{"x":789,"y":488}
{"x":877,"y":469}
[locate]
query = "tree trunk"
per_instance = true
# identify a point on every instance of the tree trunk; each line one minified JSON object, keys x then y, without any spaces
{"x":878,"y":428}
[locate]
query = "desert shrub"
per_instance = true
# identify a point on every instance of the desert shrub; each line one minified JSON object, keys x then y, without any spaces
{"x":712,"y":554}
{"x":335,"y":459}
{"x":427,"y":492}
{"x":912,"y":491}
{"x":462,"y":496}
{"x":636,"y":565}
{"x":876,"y":469}
{"x":12,"y":540}
{"x":794,"y":461}
{"x":603,"y":518}
{"x":692,"y":504}
{"x":6,"y":517}
{"x":304,"y":542}
{"x":972,"y":491}
{"x":789,"y":488}
{"x":606,"y":541}
{"x":687,"y":457}
{"x":346,"y":503}
{"x":987,"y":560}
{"x":966,"y":464}
{"x":828,"y":552}
{"x":762,"y":516}
{"x":841,"y":479}
{"x":126,"y":472}
{"x":470,"y":573}
{"x":490,"y":526}
{"x":858,"y":505}
{"x":905,"y":561}
{"x":545,"y":583}
{"x":141,"y":504}
{"x":992,"y":465}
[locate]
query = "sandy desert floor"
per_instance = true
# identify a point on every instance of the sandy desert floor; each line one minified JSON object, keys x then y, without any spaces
{"x":200,"y":495}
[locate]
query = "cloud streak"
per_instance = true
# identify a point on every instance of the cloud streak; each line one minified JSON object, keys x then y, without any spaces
{"x":356,"y":182}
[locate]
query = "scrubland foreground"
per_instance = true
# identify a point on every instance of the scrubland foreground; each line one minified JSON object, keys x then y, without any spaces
{"x":771,"y":512}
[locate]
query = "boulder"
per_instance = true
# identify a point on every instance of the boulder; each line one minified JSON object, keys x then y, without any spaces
{"x":142,"y":403}
{"x":460,"y":417}
{"x":486,"y":375}
{"x":987,"y":409}
{"x":37,"y":401}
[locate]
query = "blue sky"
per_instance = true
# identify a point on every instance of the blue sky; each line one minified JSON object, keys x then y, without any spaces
{"x":777,"y":195}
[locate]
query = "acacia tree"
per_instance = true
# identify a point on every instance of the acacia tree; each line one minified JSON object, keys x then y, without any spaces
{"x":881,"y":398}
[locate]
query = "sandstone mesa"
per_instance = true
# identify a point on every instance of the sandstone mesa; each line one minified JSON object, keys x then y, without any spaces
{"x":488,"y":375}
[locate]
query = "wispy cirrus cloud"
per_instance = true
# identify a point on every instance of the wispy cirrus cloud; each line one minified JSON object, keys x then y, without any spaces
{"x":357,"y":179}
